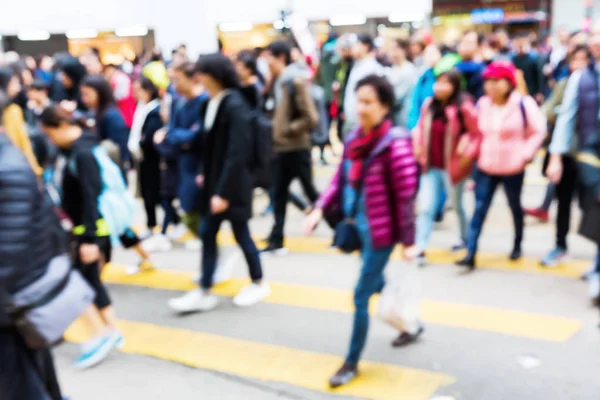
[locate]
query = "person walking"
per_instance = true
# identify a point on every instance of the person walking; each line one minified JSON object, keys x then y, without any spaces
{"x":403,"y":76}
{"x":376,"y":185}
{"x":446,"y":142}
{"x":294,"y":119}
{"x":469,"y":66}
{"x":28,"y":247}
{"x":567,"y":185}
{"x":513,"y":129}
{"x":227,"y":183}
{"x":577,"y":124}
{"x":81,"y":187}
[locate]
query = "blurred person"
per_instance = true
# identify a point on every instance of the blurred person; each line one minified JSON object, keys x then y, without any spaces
{"x":403,"y":76}
{"x":376,"y":186}
{"x":175,"y":142}
{"x":562,"y":69}
{"x":146,"y":123}
{"x":92,"y":61}
{"x":251,"y":80}
{"x":11,"y":57}
{"x":577,"y":126}
{"x":81,"y":188}
{"x":295,"y":116}
{"x":365,"y":64}
{"x":469,"y":66}
{"x":39,"y":99}
{"x":342,"y":74}
{"x":565,"y":189}
{"x":560,"y":46}
{"x":27,"y":249}
{"x":226,"y":182}
{"x":424,"y":87}
{"x":13,"y":119}
{"x":530,"y":66}
{"x":513,"y":129}
{"x":122,"y":91}
{"x":417,"y":50}
{"x":446,"y":143}
{"x":106,"y":119}
{"x":71,"y":73}
{"x":503,"y":45}
{"x":325,"y":77}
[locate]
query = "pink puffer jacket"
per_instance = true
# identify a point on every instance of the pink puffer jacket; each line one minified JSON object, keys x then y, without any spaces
{"x":390,"y":186}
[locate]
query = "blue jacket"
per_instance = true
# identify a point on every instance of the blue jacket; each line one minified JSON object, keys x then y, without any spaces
{"x":112,"y":127}
{"x":472,"y":73}
{"x":423,"y":90}
{"x":181,"y":143}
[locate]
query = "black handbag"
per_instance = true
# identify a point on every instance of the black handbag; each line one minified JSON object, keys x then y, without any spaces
{"x":346,"y":237}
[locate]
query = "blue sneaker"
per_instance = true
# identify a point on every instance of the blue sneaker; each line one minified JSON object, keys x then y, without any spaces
{"x":554,"y":258}
{"x":118,"y":339}
{"x":96,"y":352}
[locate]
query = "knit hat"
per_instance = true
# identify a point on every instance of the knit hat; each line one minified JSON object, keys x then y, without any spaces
{"x":501,"y":70}
{"x":157,"y":73}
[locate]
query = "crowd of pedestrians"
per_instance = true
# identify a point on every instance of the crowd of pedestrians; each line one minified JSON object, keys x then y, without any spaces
{"x":418,"y":122}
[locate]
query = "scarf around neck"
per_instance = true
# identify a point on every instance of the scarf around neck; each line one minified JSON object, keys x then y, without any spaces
{"x":139,"y":118}
{"x":360,"y":148}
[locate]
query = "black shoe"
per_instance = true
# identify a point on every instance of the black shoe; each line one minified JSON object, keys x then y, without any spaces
{"x":274,"y":250}
{"x":439,"y":217}
{"x":344,"y":376}
{"x":515,"y":255}
{"x":468,"y":262}
{"x":406,"y":338}
{"x":421,"y":260}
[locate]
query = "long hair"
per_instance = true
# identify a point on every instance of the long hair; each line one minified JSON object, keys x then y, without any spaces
{"x":248,"y":59}
{"x":101,"y":86}
{"x":457,"y":97}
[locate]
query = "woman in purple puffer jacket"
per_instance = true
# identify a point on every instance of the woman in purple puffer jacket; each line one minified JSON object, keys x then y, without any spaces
{"x":384,"y":201}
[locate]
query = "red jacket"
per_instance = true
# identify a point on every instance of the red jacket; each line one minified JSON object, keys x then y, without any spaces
{"x":123,"y":91}
{"x":461,"y":141}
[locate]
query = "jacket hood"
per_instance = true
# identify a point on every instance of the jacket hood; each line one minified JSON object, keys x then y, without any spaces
{"x":87,"y":141}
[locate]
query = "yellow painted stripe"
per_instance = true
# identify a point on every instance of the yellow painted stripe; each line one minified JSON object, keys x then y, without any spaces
{"x":516,"y":323}
{"x":271,"y":363}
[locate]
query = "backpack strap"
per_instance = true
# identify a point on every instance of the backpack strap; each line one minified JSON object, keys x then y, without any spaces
{"x":523,"y":114}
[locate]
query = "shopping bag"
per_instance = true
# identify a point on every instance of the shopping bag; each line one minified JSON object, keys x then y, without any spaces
{"x":399,"y":304}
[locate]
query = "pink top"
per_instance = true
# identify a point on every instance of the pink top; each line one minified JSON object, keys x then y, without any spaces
{"x":508,"y":145}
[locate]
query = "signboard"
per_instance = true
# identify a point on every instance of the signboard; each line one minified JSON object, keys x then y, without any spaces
{"x":447,"y":7}
{"x":487,"y":16}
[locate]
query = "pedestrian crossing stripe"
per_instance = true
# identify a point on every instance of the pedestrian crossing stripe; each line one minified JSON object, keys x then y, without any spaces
{"x":488,"y":319}
{"x":268,"y":362}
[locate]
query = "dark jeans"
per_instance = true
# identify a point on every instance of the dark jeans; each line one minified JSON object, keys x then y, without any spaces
{"x":485,"y":187}
{"x":25,"y":374}
{"x":293,"y":198}
{"x":209,"y":228}
{"x":171,"y":215}
{"x":91,"y":272}
{"x":289,"y":166}
{"x":565,"y":191}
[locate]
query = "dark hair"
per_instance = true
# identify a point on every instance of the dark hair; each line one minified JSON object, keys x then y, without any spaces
{"x":281,"y":48}
{"x":39,"y":58}
{"x":383,"y":88}
{"x":367,"y":40}
{"x":220,"y":68}
{"x":6,"y":74}
{"x":101,"y":86}
{"x":147,"y":86}
{"x":95,"y":51}
{"x":54,"y":115}
{"x":248,"y":59}
{"x":187,"y":68}
{"x":579,"y":48}
{"x":182,"y":46}
{"x":39,"y":84}
{"x":456,"y":79}
{"x":403,"y":44}
{"x":522,"y":35}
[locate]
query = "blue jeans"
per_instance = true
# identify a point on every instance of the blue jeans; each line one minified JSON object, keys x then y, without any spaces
{"x":171,"y":215}
{"x":485,"y":187}
{"x":433,"y":184}
{"x":209,"y":228}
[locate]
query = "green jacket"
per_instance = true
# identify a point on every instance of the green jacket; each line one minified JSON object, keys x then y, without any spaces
{"x":328,"y":67}
{"x":551,"y":107}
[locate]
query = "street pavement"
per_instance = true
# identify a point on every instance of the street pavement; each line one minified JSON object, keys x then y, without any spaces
{"x":508,"y":331}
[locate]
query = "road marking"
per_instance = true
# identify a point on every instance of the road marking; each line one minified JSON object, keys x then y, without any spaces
{"x":489,"y":319}
{"x":268,"y":362}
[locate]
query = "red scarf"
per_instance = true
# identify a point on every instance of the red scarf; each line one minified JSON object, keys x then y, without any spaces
{"x":361,"y":147}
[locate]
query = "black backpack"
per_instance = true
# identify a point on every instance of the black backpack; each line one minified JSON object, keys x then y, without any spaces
{"x":262,"y":149}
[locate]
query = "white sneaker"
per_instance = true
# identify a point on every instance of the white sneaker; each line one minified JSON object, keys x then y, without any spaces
{"x":157,"y":243}
{"x":193,"y":245}
{"x":146,"y":234}
{"x":194,"y":301}
{"x":224,"y":270}
{"x":594,"y":286}
{"x":252,"y":294}
{"x":177,"y":232}
{"x":95,"y":351}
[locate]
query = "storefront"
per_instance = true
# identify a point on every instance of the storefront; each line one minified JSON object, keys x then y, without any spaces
{"x":486,"y":15}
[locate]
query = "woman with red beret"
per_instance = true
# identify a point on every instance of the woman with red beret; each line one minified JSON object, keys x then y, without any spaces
{"x":513,"y":129}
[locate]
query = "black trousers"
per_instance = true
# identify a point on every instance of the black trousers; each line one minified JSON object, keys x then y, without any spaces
{"x":25,"y":374}
{"x":564,"y":192}
{"x":91,"y":272}
{"x":289,"y":166}
{"x":149,"y":175}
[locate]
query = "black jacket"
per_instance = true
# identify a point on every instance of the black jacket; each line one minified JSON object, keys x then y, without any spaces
{"x":82,"y":185}
{"x":226,"y":159}
{"x":30,"y":235}
{"x":532,"y":72}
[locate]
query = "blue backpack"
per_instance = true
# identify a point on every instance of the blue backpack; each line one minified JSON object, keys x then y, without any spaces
{"x":115,"y":203}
